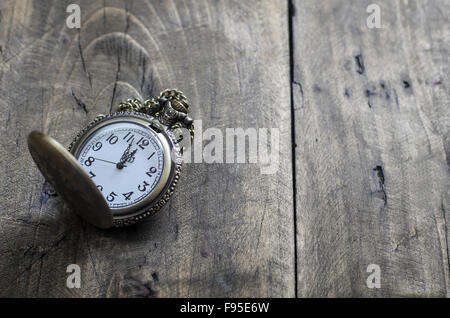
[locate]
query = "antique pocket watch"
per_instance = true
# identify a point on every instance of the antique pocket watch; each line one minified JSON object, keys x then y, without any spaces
{"x":121,"y":167}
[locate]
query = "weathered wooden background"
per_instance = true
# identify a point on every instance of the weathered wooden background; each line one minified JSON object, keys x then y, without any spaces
{"x":364,"y":128}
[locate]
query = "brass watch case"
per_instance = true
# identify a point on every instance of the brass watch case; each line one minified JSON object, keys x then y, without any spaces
{"x":172,"y":164}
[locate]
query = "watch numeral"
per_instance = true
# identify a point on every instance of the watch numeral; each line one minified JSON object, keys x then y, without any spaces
{"x":151,"y":171}
{"x":143,"y":143}
{"x":98,"y":145}
{"x":127,"y":195}
{"x":151,"y":156}
{"x":89,"y":161}
{"x":130,"y":138}
{"x":100,"y":187}
{"x":91,"y":174}
{"x":143,"y":187}
{"x":112,"y":139}
{"x":111,"y":197}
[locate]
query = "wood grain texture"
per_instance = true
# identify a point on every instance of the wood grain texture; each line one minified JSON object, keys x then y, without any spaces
{"x":229,"y":230}
{"x":372,"y":158}
{"x":372,"y":148}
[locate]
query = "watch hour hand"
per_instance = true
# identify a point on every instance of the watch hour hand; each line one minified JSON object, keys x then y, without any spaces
{"x":124,"y":157}
{"x":127,"y":156}
{"x":126,"y":152}
{"x":130,"y":158}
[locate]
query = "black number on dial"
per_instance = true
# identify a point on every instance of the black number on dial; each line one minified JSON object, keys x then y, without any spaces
{"x":127,"y":195}
{"x":151,"y":171}
{"x":129,"y":136}
{"x":111,"y":197}
{"x":100,"y":187}
{"x":91,"y":174}
{"x":143,"y":143}
{"x":98,"y":145}
{"x":112,"y":139}
{"x":143,"y":187}
{"x":151,"y":156}
{"x":89,"y":161}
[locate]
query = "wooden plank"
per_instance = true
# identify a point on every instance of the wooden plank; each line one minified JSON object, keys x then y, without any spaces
{"x":229,"y":229}
{"x":372,"y":156}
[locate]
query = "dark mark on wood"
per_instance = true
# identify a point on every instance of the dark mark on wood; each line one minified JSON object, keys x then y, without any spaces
{"x":115,"y":83}
{"x":45,"y":253}
{"x":380,"y":175}
{"x":144,"y":68}
{"x":48,"y":188}
{"x":139,"y":287}
{"x":360,"y":68}
{"x":291,"y":9}
{"x":380,"y":187}
{"x":176,"y":231}
{"x":386,"y":91}
{"x":300,"y":89}
{"x":204,"y":252}
{"x":405,"y":239}
{"x":47,"y":192}
{"x":80,"y":103}
{"x":151,"y":292}
{"x":396,"y":97}
{"x":221,"y":280}
{"x":44,"y":198}
{"x":446,"y":141}
{"x":369,"y":94}
{"x":347,"y":93}
{"x":29,"y":222}
{"x":83,"y":63}
{"x":27,"y":250}
{"x":406,"y":84}
{"x":446,"y":233}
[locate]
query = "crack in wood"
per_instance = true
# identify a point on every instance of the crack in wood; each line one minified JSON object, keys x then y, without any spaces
{"x":83,"y":63}
{"x":44,"y":253}
{"x":347,"y":93}
{"x":380,"y":185}
{"x":47,"y":192}
{"x":115,"y":83}
{"x":301,"y":94}
{"x":360,"y":68}
{"x":407,"y":238}
{"x":369,"y":94}
{"x":446,"y":235}
{"x":80,"y":103}
{"x":292,"y":11}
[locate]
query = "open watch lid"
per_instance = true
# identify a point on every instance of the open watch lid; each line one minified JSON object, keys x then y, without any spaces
{"x":70,"y":181}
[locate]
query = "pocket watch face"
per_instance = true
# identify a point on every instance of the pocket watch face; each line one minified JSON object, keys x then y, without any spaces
{"x":125,"y":159}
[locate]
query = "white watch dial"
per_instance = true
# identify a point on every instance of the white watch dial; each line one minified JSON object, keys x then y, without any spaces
{"x":125,"y":160}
